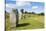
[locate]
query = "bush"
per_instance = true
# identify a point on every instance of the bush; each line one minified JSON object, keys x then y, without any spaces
{"x":41,"y":14}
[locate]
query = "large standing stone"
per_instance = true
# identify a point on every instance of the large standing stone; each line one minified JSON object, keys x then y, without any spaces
{"x":13,"y":19}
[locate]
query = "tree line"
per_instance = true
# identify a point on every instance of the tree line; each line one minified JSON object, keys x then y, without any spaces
{"x":22,"y":11}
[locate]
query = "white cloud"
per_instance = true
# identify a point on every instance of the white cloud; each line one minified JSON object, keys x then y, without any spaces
{"x":18,"y":4}
{"x":34,"y":7}
{"x":37,"y":8}
{"x":22,"y":3}
{"x":9,"y":7}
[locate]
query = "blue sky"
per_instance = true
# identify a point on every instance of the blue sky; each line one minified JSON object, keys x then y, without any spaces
{"x":10,"y":2}
{"x":29,"y":6}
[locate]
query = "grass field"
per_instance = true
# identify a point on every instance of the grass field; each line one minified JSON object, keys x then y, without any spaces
{"x":7,"y":27}
{"x":30,"y":21}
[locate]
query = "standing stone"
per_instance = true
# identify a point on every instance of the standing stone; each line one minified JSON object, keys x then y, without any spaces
{"x":14,"y":18}
{"x":17,"y":17}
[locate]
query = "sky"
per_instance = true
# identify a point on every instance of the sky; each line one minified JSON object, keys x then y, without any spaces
{"x":29,"y":6}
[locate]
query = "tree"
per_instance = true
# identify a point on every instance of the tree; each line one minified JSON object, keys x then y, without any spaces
{"x":42,"y":14}
{"x":26,"y":12}
{"x":33,"y":12}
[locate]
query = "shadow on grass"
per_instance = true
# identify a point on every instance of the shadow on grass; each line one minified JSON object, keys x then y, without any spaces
{"x":24,"y":24}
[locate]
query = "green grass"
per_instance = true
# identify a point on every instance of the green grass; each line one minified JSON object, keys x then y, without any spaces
{"x":34,"y":21}
{"x":7,"y":22}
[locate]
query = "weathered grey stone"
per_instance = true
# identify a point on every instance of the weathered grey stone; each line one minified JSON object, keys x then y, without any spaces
{"x":12,"y":19}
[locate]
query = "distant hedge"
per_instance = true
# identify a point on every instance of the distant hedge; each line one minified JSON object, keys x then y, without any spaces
{"x":41,"y":14}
